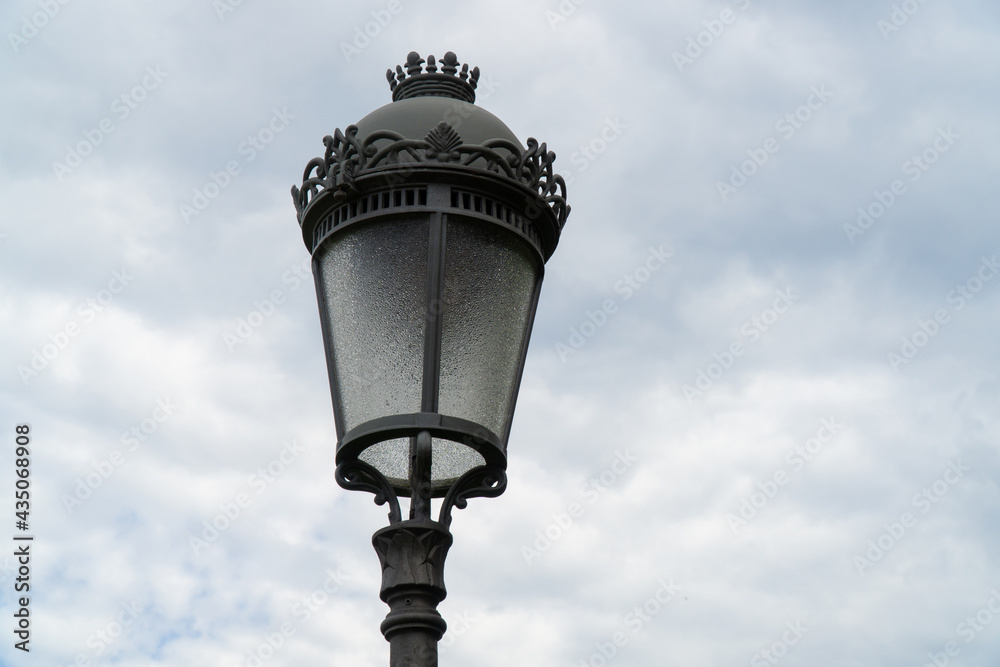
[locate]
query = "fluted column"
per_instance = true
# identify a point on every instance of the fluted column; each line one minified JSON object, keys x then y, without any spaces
{"x":412,"y":554}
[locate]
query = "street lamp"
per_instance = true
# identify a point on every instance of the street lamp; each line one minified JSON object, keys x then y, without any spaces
{"x":429,"y":225}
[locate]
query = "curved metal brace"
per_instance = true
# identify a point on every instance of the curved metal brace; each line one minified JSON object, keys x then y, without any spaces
{"x":320,"y":165}
{"x":496,"y":162}
{"x":350,"y":137}
{"x":395,"y":147}
{"x":560,"y":208}
{"x":557,"y":199}
{"x":310,"y":183}
{"x":359,"y":476}
{"x":481,"y":482}
{"x":378,"y":135}
{"x":369,"y":147}
{"x":505,"y":144}
{"x":535,"y":167}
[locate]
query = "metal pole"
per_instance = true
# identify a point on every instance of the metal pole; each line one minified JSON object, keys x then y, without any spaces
{"x":420,"y":477}
{"x":412,"y":554}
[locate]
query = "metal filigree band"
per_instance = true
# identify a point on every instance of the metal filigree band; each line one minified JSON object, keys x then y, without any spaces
{"x":348,"y":158}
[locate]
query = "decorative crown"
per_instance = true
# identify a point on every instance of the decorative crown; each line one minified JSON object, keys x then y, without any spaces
{"x":417,"y":81}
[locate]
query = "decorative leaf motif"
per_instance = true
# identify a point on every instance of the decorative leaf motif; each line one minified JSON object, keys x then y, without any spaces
{"x":442,"y":142}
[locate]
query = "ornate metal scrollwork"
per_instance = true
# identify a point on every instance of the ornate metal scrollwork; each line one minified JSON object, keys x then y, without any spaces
{"x":359,"y":476}
{"x":481,"y":482}
{"x":534,"y":168}
{"x":347,"y":158}
{"x":334,"y":171}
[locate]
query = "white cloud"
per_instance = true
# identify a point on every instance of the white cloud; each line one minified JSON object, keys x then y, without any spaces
{"x":159,"y":338}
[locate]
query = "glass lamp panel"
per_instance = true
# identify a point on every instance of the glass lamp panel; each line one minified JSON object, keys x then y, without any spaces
{"x":489,"y":285}
{"x":373,"y":286}
{"x":391,"y":458}
{"x":450,"y":460}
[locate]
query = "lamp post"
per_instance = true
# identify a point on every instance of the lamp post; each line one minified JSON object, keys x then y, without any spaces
{"x":429,"y":225}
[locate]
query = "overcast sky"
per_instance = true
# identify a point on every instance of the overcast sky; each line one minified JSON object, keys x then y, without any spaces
{"x":763,"y":375}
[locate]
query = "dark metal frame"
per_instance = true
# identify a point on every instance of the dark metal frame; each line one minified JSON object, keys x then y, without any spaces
{"x":429,"y":180}
{"x":438,"y":178}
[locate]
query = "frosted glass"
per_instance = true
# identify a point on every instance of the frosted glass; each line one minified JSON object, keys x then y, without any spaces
{"x":450,"y":460}
{"x":373,"y":282}
{"x":391,"y":458}
{"x":373,"y":292}
{"x":490,"y":278}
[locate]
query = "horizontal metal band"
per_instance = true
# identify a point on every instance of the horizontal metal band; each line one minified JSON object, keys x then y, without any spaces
{"x":387,"y":194}
{"x":366,"y":207}
{"x":463,"y":431}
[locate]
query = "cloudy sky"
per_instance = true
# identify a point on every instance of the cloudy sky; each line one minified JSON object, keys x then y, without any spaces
{"x":763,"y":375}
